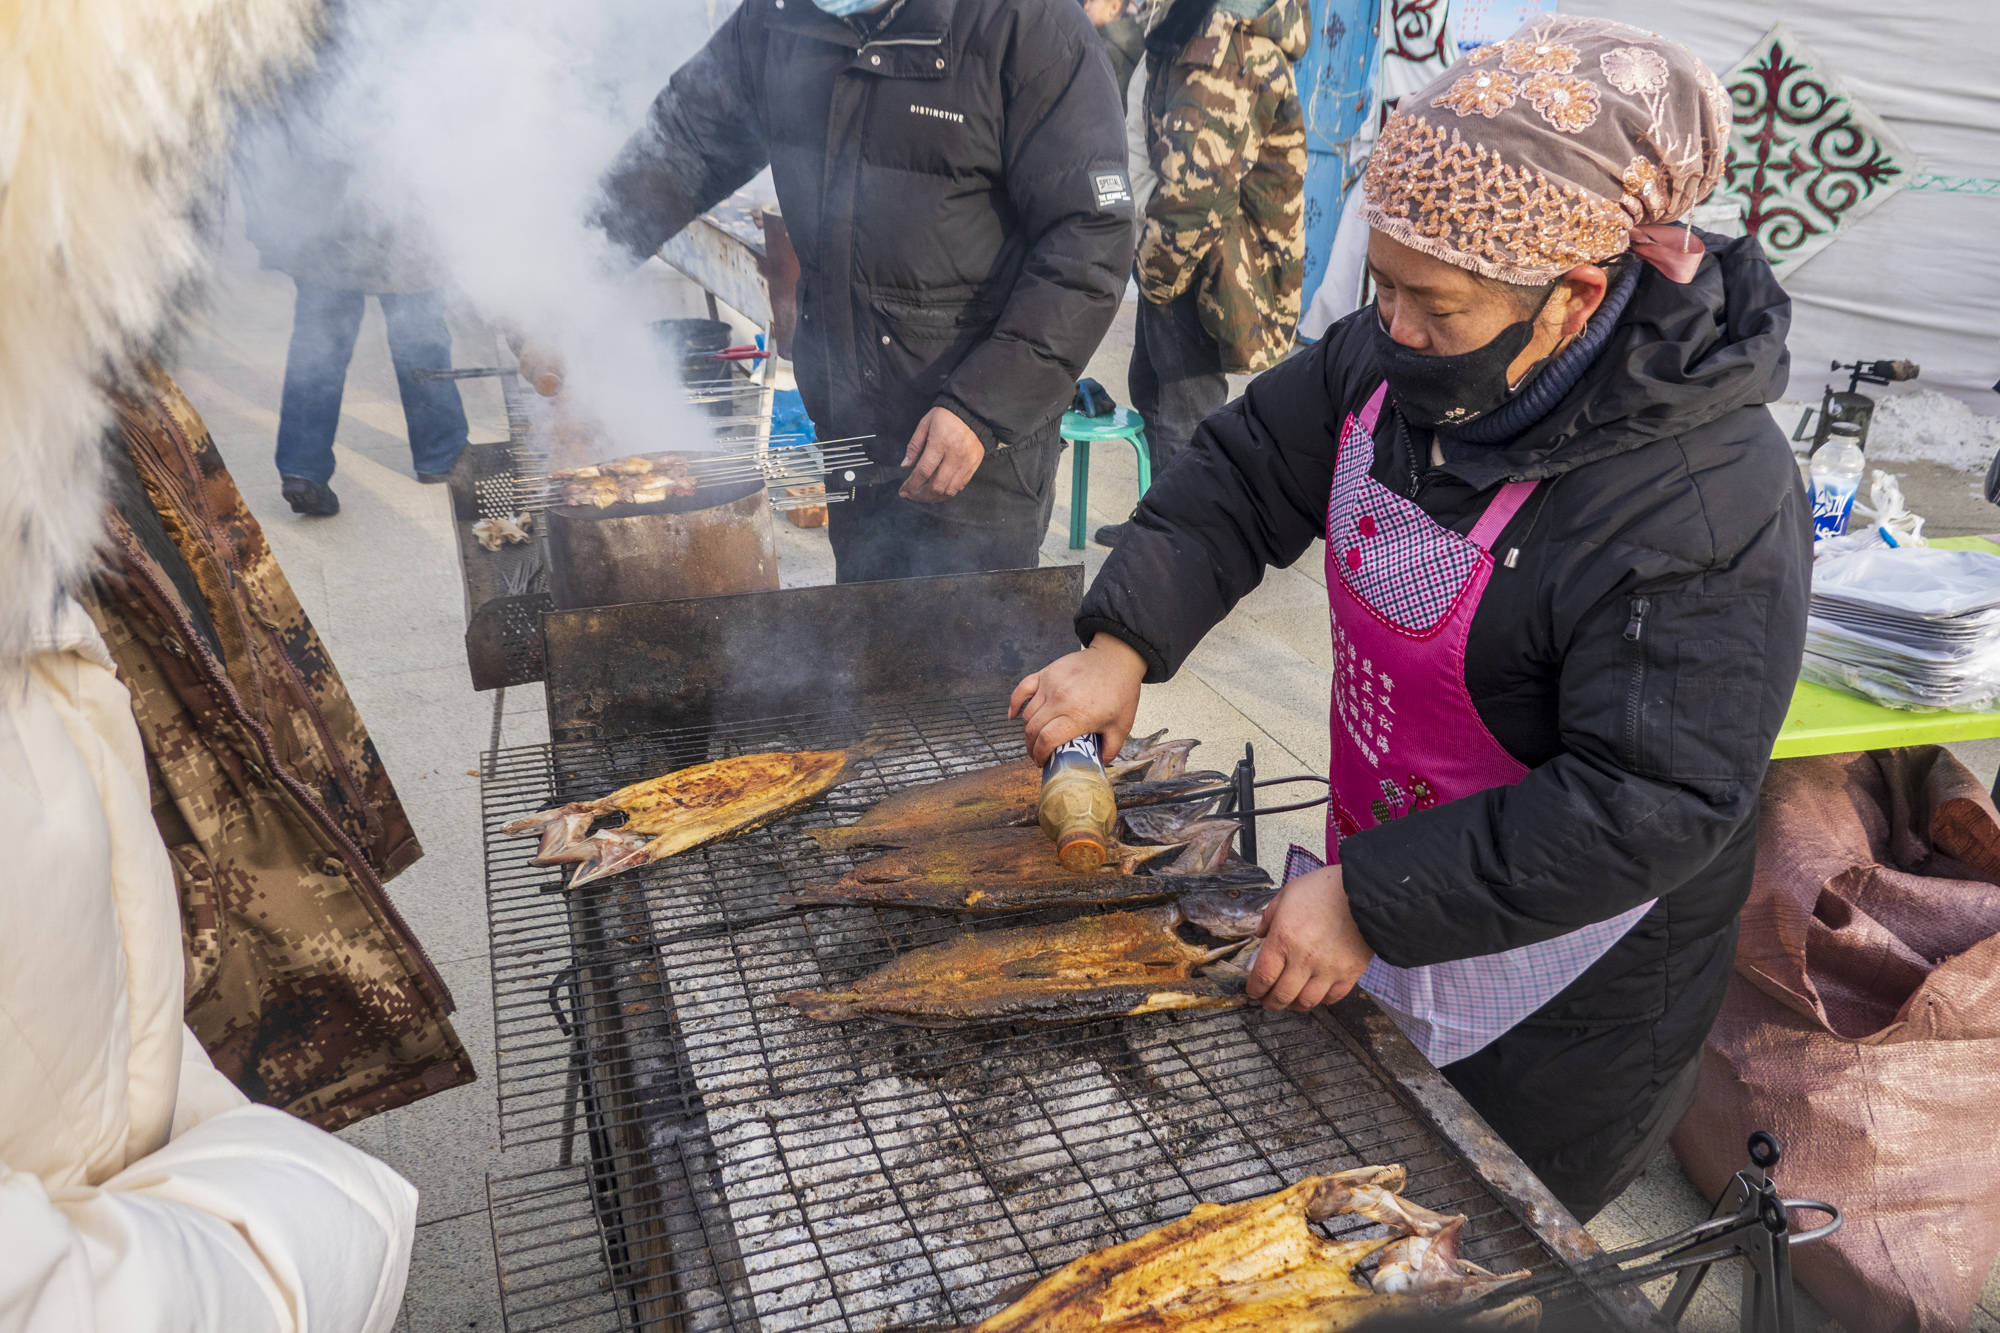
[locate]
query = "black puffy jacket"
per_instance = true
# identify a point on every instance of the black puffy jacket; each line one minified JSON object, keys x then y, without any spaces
{"x":1637,"y":655}
{"x":954,"y":184}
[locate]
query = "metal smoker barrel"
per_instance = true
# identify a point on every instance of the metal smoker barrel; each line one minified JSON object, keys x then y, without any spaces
{"x":718,"y":540}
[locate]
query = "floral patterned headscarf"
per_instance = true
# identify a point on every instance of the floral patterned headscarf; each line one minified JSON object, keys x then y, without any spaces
{"x":1571,"y":142}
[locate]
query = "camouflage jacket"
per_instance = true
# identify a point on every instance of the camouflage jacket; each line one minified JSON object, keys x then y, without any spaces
{"x":1228,"y":141}
{"x":302,"y":981}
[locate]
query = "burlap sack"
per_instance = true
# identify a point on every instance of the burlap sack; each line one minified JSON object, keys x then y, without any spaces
{"x":1862,"y":1027}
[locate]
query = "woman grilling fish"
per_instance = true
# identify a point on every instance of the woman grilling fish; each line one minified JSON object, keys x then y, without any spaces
{"x":1567,"y":558}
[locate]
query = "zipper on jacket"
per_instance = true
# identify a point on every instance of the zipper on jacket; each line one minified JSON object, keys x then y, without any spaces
{"x":349,"y":850}
{"x":1635,"y":689}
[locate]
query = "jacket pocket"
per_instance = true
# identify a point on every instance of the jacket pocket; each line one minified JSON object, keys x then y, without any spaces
{"x":942,"y":315}
{"x":918,"y":343}
{"x":1694,"y":704}
{"x":1726,"y":711}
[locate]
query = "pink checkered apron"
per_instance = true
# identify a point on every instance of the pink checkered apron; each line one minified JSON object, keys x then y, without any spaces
{"x":1406,"y":736}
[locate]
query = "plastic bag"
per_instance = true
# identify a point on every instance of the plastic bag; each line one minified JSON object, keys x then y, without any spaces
{"x":1862,"y":1027}
{"x":1888,"y":525}
{"x":1924,"y":582}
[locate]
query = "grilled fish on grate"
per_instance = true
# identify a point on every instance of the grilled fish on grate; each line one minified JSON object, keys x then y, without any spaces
{"x":1258,"y":1265}
{"x":1147,"y":772}
{"x":1095,"y":967}
{"x":681,"y":810}
{"x":1012,"y":870}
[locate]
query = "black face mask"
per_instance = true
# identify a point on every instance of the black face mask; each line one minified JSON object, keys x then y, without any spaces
{"x":1447,"y":391}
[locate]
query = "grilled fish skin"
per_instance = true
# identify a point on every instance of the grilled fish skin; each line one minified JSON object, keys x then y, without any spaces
{"x":1095,"y":967}
{"x":996,"y":797}
{"x":682,"y":810}
{"x":1002,"y":796}
{"x":1254,"y":1265}
{"x":1098,"y":889}
{"x":1010,"y":870}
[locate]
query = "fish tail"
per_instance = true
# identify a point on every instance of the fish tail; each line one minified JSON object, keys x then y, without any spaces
{"x":609,"y":853}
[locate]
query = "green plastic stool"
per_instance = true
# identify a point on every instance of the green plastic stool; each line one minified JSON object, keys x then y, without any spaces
{"x":1121,"y":423}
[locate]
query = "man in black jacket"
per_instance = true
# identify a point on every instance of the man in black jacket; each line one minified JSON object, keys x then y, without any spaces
{"x":952,"y":173}
{"x":1633,"y":640}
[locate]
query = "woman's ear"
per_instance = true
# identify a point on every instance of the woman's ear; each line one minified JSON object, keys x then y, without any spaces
{"x":1583,"y":289}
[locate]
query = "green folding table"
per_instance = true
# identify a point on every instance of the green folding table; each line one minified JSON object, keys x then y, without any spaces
{"x":1829,"y":721}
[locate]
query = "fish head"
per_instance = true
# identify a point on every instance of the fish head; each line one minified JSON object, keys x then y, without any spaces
{"x":1229,"y":913}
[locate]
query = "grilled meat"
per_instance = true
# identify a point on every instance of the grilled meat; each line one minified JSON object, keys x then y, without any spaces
{"x":1005,"y":795}
{"x":681,"y":810}
{"x":1254,"y":1265}
{"x":1009,"y":870}
{"x":986,"y":798}
{"x":639,"y":479}
{"x":1095,"y":967}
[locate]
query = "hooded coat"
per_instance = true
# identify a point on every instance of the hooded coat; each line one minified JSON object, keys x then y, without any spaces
{"x":1636,"y":650}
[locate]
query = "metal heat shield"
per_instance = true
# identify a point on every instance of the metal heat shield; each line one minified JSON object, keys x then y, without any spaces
{"x":617,"y":670}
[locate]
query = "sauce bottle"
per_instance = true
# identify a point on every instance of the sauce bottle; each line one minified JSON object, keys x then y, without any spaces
{"x":1078,"y":809}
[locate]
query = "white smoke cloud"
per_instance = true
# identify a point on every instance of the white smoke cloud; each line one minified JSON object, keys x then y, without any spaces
{"x":482,"y":128}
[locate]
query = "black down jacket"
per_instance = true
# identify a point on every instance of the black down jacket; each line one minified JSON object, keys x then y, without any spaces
{"x":954,"y":184}
{"x":1637,"y":655}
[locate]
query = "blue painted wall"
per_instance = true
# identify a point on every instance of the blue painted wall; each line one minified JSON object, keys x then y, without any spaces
{"x":1337,"y":89}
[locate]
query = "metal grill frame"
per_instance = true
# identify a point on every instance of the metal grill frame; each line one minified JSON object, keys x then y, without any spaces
{"x":664,"y":1219}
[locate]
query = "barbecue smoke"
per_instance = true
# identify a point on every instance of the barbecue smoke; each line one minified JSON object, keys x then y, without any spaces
{"x":478,"y":130}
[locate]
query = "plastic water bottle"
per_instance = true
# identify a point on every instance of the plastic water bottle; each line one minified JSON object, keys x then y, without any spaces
{"x":1078,"y":809}
{"x":1836,"y":475}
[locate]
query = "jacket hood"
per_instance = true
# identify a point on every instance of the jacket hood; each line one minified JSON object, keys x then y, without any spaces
{"x":1682,"y":356}
{"x":1284,"y":23}
{"x":113,"y":116}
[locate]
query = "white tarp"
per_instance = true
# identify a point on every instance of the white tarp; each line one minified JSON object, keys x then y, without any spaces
{"x":1919,"y":277}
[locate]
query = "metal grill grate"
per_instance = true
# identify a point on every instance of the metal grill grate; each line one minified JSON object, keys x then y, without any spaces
{"x":751,"y":1168}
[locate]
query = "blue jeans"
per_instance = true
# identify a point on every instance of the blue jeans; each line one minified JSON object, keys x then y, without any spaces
{"x":324,"y":324}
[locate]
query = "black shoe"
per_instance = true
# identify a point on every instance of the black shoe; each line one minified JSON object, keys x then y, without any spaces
{"x":1113,"y":533}
{"x":434,"y":478}
{"x":306,"y":496}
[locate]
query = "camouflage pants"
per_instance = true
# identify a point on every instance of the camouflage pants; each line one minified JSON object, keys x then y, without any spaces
{"x":1176,"y":376}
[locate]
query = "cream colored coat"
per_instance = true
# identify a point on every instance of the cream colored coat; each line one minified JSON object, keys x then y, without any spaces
{"x":139,"y":1190}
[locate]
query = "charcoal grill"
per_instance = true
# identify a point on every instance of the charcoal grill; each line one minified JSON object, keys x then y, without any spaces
{"x":507,"y":592}
{"x":687,"y":1152}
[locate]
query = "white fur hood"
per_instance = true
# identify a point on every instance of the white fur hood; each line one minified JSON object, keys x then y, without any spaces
{"x":114,"y":115}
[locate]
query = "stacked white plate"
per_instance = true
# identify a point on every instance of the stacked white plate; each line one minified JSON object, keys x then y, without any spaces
{"x":1915,"y":627}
